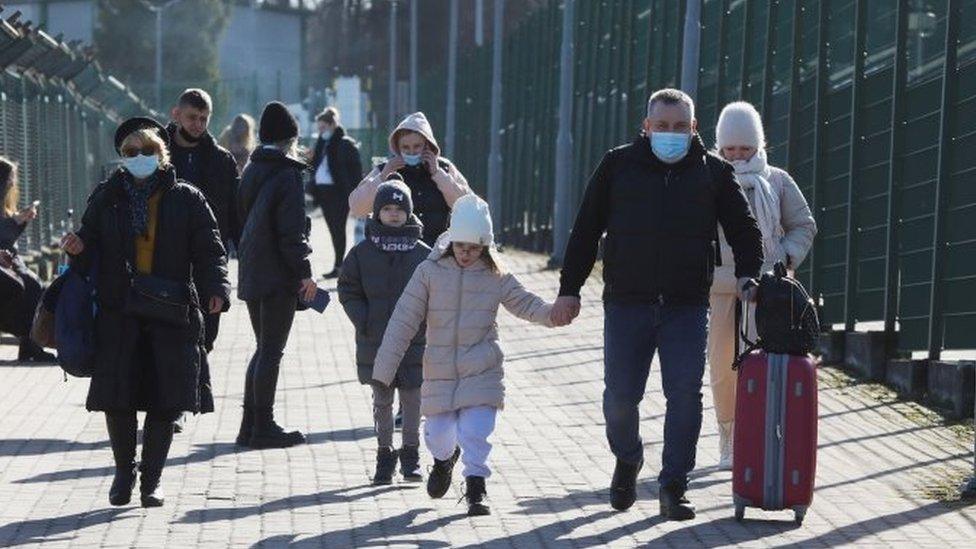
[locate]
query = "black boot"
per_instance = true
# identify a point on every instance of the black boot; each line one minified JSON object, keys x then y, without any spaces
{"x":32,"y":352}
{"x":122,"y":435}
{"x":157,"y":435}
{"x":386,"y":459}
{"x":474,"y":492}
{"x":674,"y":504}
{"x":268,"y":434}
{"x":623,"y":487}
{"x":440,"y":475}
{"x":247,"y":427}
{"x":410,"y":464}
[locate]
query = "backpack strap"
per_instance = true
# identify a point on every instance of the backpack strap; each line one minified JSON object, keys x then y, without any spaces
{"x":742,"y":330}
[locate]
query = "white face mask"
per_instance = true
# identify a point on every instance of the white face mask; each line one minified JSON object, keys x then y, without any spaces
{"x":141,"y":166}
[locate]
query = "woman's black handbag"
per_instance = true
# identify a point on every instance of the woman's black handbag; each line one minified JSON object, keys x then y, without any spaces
{"x":159,"y":299}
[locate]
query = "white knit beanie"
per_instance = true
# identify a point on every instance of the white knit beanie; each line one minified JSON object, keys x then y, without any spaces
{"x":740,"y":125}
{"x":471,"y":221}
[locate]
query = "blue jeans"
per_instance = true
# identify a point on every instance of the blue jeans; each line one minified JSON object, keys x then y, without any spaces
{"x":632,"y":333}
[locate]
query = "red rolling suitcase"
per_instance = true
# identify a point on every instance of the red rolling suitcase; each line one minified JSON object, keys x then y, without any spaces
{"x":774,"y":452}
{"x":774,"y":445}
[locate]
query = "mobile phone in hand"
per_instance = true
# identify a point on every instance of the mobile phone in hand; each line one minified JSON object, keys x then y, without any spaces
{"x":320,"y":301}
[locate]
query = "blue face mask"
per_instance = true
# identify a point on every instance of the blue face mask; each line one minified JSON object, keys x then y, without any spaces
{"x":411,"y":159}
{"x":326,"y":135}
{"x":141,"y":166}
{"x":670,"y":147}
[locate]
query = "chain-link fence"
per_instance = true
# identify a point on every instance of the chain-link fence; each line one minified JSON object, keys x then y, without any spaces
{"x":58,"y":113}
{"x":868,"y":103}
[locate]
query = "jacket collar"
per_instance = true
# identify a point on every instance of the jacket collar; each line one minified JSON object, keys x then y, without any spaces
{"x":275,"y":156}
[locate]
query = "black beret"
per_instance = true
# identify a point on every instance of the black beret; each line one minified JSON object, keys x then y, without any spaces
{"x":135,"y":124}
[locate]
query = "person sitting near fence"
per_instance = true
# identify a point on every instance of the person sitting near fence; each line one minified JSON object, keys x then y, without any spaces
{"x":787,"y":228}
{"x":20,"y":288}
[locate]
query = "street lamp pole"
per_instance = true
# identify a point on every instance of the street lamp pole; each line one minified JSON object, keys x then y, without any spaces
{"x":158,"y":10}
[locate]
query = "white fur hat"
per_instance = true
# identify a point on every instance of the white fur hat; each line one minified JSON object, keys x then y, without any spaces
{"x":740,"y":124}
{"x":471,"y":221}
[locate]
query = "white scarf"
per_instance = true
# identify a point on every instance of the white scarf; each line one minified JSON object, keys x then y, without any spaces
{"x":754,"y":174}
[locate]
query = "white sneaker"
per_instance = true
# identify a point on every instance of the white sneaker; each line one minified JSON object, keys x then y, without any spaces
{"x":725,"y":446}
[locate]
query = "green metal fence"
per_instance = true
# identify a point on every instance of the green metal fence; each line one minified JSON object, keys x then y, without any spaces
{"x":58,"y":113}
{"x":868,"y":103}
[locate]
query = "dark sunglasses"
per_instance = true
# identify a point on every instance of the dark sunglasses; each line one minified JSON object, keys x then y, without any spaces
{"x":130,"y":152}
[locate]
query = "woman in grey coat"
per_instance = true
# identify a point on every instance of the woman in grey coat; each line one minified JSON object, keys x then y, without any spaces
{"x":372,"y":278}
{"x":787,"y":228}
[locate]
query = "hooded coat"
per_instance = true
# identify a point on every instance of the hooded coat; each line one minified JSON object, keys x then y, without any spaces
{"x":433,"y":193}
{"x":462,"y":364}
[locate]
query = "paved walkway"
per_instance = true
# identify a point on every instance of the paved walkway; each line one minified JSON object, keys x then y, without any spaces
{"x":880,"y":464}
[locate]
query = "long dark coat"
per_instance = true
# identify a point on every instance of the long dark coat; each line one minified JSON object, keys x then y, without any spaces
{"x":143,"y":365}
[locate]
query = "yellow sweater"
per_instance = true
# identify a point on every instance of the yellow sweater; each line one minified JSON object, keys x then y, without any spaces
{"x":146,"y":244}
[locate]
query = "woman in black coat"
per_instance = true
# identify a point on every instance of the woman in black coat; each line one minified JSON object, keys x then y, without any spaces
{"x":144,"y":229}
{"x":273,"y":269}
{"x":20,"y":289}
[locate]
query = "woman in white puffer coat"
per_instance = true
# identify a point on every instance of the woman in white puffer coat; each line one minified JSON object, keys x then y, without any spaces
{"x":788,"y":229}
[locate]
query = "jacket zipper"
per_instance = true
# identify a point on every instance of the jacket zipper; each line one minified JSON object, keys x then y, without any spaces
{"x":457,"y":335}
{"x":657,"y":262}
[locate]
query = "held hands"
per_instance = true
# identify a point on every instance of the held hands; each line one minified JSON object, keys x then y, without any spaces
{"x":747,"y":288}
{"x":307,"y":291}
{"x":72,"y":243}
{"x":564,"y":310}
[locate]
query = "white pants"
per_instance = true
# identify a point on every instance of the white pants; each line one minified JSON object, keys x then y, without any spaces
{"x":468,"y":428}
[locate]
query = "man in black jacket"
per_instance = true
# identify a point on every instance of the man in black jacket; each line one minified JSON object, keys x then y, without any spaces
{"x":201,"y":162}
{"x":336,"y":170}
{"x":658,"y":199}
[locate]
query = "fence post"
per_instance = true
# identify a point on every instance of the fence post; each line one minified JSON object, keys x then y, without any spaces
{"x":720,"y":69}
{"x":857,"y":81}
{"x":562,"y":218}
{"x":452,"y":48}
{"x":391,"y":110}
{"x":692,"y":48}
{"x":818,"y":124}
{"x":495,"y":152}
{"x":898,"y":83}
{"x":767,"y":82}
{"x":946,"y":117}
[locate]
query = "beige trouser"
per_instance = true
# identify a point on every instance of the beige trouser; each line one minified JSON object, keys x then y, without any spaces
{"x":721,"y":352}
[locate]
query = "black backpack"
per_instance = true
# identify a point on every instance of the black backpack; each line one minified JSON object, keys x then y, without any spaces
{"x":786,"y":316}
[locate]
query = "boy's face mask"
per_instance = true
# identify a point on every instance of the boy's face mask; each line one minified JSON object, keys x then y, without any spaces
{"x":670,"y":147}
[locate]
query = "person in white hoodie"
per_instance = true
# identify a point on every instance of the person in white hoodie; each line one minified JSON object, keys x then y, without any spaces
{"x":433,"y":180}
{"x":788,"y":229}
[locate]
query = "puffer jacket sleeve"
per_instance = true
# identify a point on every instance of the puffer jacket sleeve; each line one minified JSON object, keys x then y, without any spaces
{"x":799,"y":227}
{"x":351,"y":293}
{"x":291,"y":225}
{"x":361,"y":198}
{"x":452,"y":184}
{"x":523,"y":303}
{"x":408,"y":315}
{"x":207,"y":253}
{"x":89,"y":230}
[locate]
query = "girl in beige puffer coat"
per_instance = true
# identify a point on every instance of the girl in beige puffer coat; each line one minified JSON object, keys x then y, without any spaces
{"x":458,"y":291}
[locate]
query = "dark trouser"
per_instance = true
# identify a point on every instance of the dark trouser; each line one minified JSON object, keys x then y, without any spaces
{"x":335,"y":209}
{"x":17,"y":319}
{"x":157,"y":434}
{"x":211,"y":325}
{"x":271,"y":320}
{"x":632,"y":333}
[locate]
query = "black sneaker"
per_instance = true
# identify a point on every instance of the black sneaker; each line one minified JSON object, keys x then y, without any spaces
{"x":674,"y":504}
{"x":440,"y":475}
{"x":410,"y":464}
{"x":474,"y":492}
{"x":386,"y":459}
{"x":623,"y":487}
